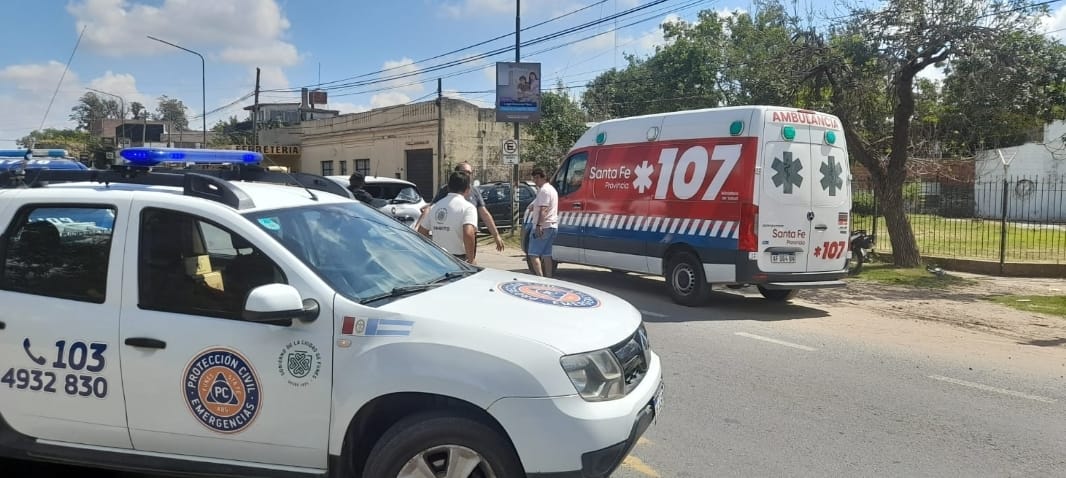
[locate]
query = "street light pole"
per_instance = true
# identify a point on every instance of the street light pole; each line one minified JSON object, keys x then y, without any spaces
{"x":203,"y":79}
{"x":122,"y":113}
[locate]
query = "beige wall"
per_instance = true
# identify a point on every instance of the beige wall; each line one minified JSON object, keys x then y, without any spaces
{"x":385,"y":134}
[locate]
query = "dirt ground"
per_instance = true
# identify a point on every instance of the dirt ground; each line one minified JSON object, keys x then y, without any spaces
{"x":960,"y":305}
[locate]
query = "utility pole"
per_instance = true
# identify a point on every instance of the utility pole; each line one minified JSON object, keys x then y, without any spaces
{"x":255,"y":113}
{"x":440,"y":130}
{"x":515,"y":222}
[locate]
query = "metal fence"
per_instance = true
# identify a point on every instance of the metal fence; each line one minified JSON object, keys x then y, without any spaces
{"x":1013,"y":219}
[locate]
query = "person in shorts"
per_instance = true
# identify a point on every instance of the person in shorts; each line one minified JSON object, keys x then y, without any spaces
{"x":453,"y":220}
{"x":545,"y":219}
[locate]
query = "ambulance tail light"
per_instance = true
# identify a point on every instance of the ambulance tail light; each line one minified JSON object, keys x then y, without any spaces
{"x":749,"y":228}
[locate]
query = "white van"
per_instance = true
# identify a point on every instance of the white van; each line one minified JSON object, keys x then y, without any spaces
{"x":722,"y":196}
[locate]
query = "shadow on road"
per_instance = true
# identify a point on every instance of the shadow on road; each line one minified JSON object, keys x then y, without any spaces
{"x":732,"y":305}
{"x":1045,"y":343}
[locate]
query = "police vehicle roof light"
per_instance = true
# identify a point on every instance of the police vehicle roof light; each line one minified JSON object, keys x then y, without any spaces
{"x":154,"y":156}
{"x":37,"y":153}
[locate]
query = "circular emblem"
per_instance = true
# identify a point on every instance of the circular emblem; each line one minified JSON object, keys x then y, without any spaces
{"x":300,"y":362}
{"x":549,"y":294}
{"x":442,"y":214}
{"x":222,"y":390}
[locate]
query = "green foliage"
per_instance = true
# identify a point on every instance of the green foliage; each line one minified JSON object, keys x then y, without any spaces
{"x":74,"y":141}
{"x":91,"y":107}
{"x":562,"y":123}
{"x":1051,"y":305}
{"x":232,"y":132}
{"x":172,"y":110}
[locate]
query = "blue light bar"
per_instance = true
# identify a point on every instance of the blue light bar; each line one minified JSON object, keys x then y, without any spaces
{"x":36,"y":153}
{"x":154,"y":156}
{"x":9,"y":164}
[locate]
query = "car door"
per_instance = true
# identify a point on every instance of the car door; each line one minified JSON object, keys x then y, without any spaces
{"x":205,"y":382}
{"x":60,"y":287}
{"x":568,"y":245}
{"x":830,"y":202}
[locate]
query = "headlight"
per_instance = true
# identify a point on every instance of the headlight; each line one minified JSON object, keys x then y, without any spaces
{"x":597,"y":376}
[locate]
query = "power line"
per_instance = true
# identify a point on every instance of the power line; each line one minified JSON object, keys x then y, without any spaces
{"x":492,"y":53}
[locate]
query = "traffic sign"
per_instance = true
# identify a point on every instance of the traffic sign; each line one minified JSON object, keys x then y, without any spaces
{"x":510,"y":158}
{"x":510,"y":146}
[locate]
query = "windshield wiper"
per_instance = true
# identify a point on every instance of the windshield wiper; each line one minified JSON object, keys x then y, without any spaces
{"x":411,"y":289}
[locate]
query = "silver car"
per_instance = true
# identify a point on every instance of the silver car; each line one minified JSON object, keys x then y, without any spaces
{"x":397,"y":198}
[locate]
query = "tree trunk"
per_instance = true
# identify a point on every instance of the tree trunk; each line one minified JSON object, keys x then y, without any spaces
{"x":890,"y":196}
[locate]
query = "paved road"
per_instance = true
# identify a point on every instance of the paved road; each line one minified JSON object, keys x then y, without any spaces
{"x":763,"y":389}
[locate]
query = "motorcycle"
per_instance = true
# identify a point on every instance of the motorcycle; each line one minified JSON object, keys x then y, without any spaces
{"x":861,"y":242}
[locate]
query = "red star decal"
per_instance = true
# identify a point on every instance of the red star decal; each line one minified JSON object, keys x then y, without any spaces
{"x":818,"y":251}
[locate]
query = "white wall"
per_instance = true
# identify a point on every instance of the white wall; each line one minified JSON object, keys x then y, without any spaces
{"x":1036,"y":188}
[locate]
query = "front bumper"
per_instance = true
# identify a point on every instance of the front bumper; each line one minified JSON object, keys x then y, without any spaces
{"x":567,"y":437}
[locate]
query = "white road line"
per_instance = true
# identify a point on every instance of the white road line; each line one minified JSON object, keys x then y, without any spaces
{"x":653,"y":314}
{"x":988,"y":388}
{"x":775,"y":341}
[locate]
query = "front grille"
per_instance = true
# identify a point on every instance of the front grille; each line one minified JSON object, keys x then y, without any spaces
{"x":633,"y":354}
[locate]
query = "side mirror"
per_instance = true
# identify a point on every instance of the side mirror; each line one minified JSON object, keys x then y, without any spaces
{"x":279,"y":304}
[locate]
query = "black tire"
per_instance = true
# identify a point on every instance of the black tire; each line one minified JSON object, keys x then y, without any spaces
{"x":858,"y":258}
{"x":421,"y":434}
{"x":685,"y":279}
{"x":780,"y":295}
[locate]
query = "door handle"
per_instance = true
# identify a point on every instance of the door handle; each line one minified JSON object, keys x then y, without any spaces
{"x":821,"y":227}
{"x":146,"y":342}
{"x":2,"y":325}
{"x":576,"y":205}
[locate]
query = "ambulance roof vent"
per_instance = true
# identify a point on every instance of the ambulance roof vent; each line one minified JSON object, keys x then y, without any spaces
{"x":653,"y":133}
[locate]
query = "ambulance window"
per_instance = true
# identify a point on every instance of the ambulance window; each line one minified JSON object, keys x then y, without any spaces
{"x":59,"y":252}
{"x":188,"y":265}
{"x":570,"y":179}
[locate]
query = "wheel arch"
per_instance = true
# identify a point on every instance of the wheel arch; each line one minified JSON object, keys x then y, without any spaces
{"x":376,"y":416}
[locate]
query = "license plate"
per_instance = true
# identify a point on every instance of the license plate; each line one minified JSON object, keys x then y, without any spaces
{"x":657,"y":402}
{"x":783,"y":258}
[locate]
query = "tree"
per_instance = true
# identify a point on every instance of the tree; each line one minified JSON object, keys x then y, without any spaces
{"x":562,"y":122}
{"x":232,"y":132}
{"x":91,"y":107}
{"x":138,"y":111}
{"x":869,"y":66}
{"x":74,"y":141}
{"x":172,"y":110}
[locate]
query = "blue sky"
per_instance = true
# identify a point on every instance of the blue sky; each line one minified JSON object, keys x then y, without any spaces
{"x":293,"y":40}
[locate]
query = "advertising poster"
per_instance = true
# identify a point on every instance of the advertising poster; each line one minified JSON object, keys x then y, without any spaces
{"x":517,"y":92}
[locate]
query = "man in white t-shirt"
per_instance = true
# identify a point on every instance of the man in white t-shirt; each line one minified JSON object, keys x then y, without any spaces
{"x":454,"y":220}
{"x":545,"y":219}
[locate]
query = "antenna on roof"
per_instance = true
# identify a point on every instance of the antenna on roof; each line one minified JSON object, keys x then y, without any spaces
{"x":65,"y":69}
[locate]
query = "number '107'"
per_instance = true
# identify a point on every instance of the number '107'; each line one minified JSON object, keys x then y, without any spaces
{"x":80,"y":356}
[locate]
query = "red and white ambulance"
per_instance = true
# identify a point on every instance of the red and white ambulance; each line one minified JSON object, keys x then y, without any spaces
{"x":722,"y":196}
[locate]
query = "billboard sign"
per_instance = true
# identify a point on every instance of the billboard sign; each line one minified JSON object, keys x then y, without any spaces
{"x":517,"y":92}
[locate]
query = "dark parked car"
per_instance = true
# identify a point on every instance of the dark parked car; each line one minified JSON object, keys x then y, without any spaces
{"x":497,"y":196}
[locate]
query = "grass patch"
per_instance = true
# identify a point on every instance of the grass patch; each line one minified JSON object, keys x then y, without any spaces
{"x":911,"y":277}
{"x":977,"y":239}
{"x":512,"y":243}
{"x":1046,"y":304}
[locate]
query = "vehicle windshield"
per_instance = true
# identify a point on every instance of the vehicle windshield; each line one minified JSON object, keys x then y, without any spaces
{"x":357,"y":251}
{"x":407,"y":195}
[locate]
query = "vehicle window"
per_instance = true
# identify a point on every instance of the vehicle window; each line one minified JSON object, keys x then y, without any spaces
{"x":526,"y":194}
{"x":59,"y":252}
{"x":569,"y":179}
{"x":358,"y":252}
{"x":189,"y":265}
{"x":408,"y":195}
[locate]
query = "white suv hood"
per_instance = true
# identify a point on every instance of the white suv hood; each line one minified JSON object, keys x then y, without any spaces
{"x":568,"y":317}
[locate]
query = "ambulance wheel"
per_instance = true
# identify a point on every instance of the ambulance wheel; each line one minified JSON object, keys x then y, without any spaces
{"x":781,"y":295}
{"x":684,"y":276}
{"x":429,"y":444}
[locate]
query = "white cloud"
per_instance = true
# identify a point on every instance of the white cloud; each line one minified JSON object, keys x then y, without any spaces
{"x":243,"y":32}
{"x":480,"y":102}
{"x":390,"y":98}
{"x":271,"y":78}
{"x":27,"y":89}
{"x":642,"y":44}
{"x":346,"y":108}
{"x":405,"y":67}
{"x":467,"y":8}
{"x":1055,"y":24}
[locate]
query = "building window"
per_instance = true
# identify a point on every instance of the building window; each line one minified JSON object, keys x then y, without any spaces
{"x":327,"y":168}
{"x":344,"y":167}
{"x":362,"y":166}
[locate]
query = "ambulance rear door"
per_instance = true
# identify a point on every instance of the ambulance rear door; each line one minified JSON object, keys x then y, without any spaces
{"x":830,"y":201}
{"x":785,"y":197}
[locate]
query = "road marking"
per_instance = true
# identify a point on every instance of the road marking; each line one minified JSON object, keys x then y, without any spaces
{"x":635,"y":464}
{"x":988,"y":388}
{"x":653,"y":314}
{"x":775,"y":341}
